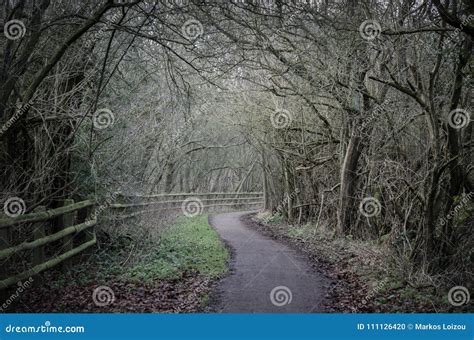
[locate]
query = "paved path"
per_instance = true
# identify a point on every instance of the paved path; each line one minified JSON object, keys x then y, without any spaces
{"x":260,"y":265}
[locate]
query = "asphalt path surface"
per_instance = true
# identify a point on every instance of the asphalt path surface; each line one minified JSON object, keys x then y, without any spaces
{"x":266,"y":276}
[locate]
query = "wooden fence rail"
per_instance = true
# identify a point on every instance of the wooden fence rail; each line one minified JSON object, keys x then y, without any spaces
{"x":203,"y":200}
{"x":68,"y":216}
{"x":77,"y":218}
{"x":169,"y":201}
{"x":45,"y":215}
{"x":199,"y":194}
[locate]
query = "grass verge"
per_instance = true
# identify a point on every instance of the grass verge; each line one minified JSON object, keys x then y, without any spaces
{"x":172,"y":273}
{"x":191,"y":245}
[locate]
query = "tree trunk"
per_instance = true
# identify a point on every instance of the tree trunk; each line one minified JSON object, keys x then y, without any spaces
{"x":348,"y":184}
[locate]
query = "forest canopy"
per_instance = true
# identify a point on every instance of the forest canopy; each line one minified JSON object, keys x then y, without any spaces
{"x":352,"y":114}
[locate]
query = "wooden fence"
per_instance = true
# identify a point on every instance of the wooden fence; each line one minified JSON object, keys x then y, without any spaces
{"x":141,"y":204}
{"x":74,"y":218}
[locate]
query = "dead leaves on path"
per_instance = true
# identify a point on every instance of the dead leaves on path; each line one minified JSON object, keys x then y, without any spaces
{"x":183,"y":295}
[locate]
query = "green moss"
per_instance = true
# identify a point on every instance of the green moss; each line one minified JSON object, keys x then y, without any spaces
{"x":205,"y":300}
{"x":190,"y":245}
{"x":297,"y":232}
{"x":275,"y":218}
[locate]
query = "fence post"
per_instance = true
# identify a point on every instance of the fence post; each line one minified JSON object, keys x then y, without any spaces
{"x":85,"y":214}
{"x":38,"y":255}
{"x":68,"y":220}
{"x":205,"y":202}
{"x":39,"y":231}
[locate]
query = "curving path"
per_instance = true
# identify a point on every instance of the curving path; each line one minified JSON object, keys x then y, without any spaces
{"x":260,"y":265}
